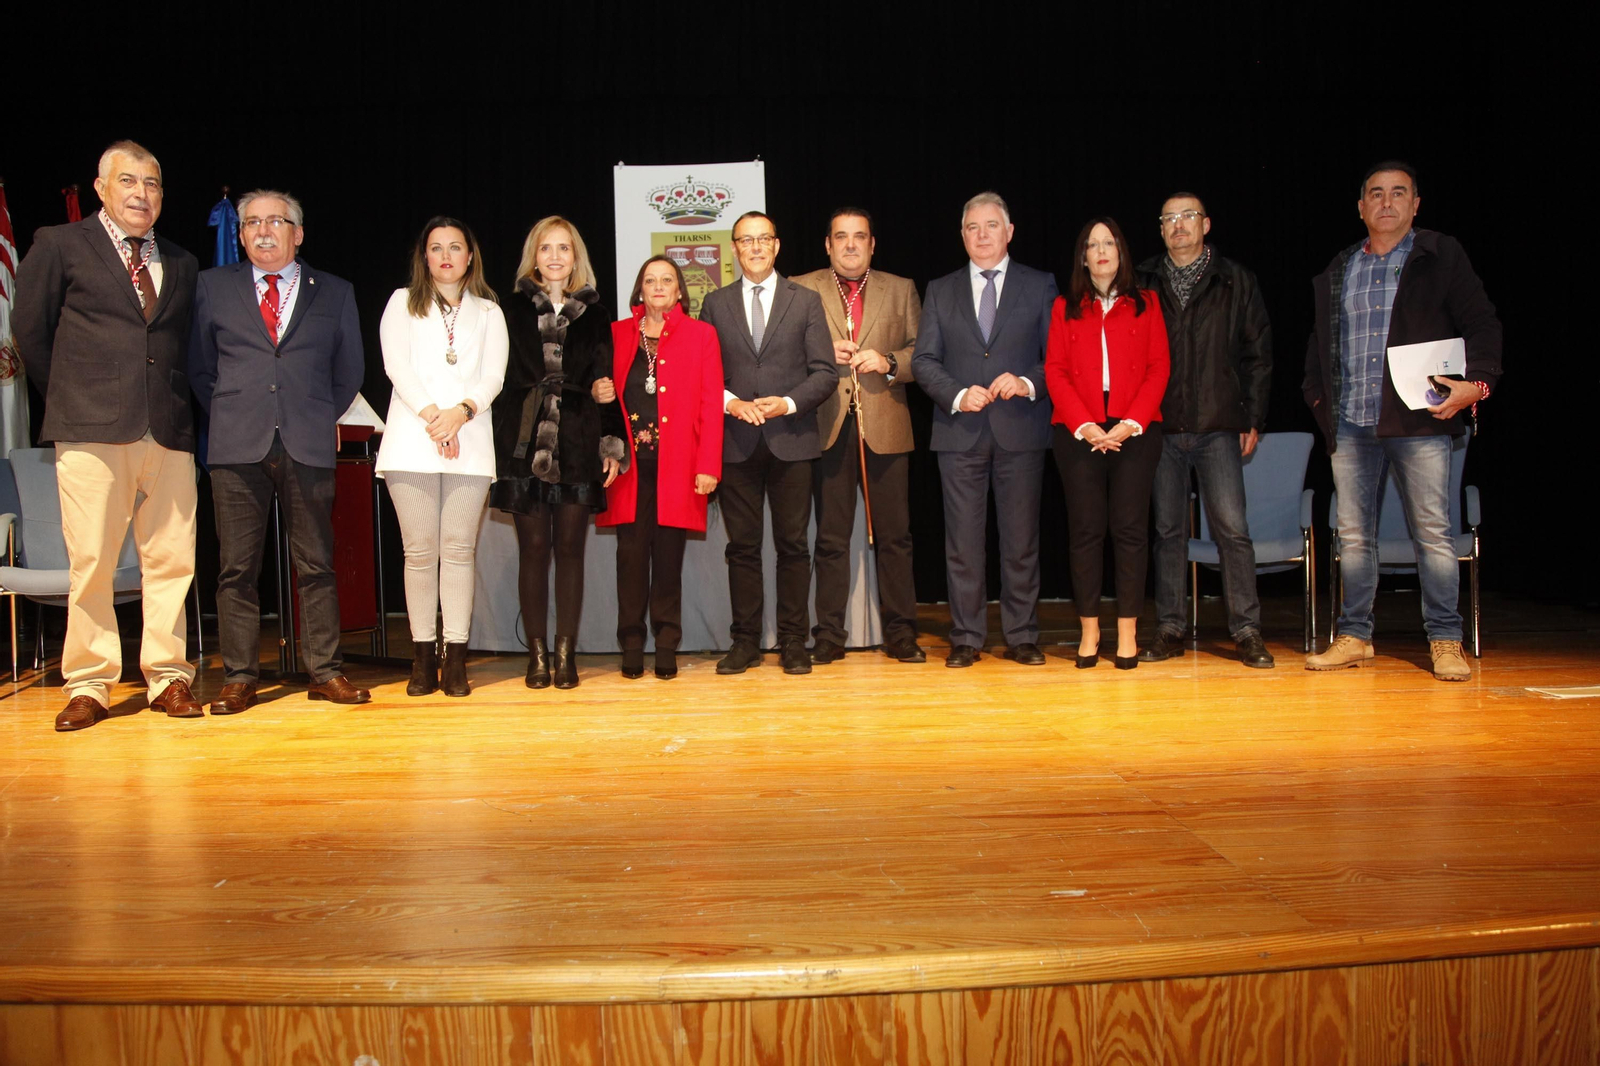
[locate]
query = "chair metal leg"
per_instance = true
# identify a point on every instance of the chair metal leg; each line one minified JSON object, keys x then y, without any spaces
{"x":199,"y":626}
{"x":13,"y":598}
{"x":1307,"y":618}
{"x":1311,"y":585}
{"x":1477,"y":618}
{"x":1194,"y":601}
{"x":38,"y":637}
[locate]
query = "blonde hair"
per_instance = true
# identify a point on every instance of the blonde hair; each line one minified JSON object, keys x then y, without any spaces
{"x":582,"y":276}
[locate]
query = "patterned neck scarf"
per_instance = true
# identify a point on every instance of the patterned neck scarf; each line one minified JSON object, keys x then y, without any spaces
{"x":1182,"y":279}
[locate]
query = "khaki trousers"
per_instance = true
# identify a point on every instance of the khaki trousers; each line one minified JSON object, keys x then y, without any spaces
{"x":101,"y":487}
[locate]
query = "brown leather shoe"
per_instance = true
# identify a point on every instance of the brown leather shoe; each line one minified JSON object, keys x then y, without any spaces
{"x":235,"y":696}
{"x":338,"y":690}
{"x":176,"y":701}
{"x":81,"y":712}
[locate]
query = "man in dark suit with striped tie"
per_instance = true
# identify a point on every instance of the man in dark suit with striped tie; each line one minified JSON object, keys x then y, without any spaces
{"x":275,"y":359}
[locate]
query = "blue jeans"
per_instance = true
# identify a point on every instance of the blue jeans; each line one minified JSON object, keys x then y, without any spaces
{"x":1421,"y":469}
{"x":1215,"y":458}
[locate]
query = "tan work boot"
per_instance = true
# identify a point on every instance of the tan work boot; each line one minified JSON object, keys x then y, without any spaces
{"x":1344,"y":651}
{"x":1449,"y":661}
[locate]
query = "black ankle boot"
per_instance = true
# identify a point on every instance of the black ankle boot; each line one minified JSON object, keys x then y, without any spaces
{"x":565,"y":667}
{"x":632,"y":663}
{"x":454,"y":674}
{"x":424,"y":669}
{"x":538,"y":664}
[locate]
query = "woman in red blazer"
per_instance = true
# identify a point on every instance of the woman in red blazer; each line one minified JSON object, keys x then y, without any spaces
{"x":1106,"y":369}
{"x":670,"y":366}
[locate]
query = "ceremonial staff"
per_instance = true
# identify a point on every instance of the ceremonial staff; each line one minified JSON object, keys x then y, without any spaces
{"x":850,"y":303}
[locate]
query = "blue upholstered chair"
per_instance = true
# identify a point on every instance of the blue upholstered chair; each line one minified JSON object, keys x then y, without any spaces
{"x":1277,"y":508}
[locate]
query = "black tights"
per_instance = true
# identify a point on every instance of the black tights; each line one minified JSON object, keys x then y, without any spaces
{"x":567,"y":525}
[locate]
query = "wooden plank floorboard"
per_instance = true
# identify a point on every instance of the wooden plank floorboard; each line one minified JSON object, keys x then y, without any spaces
{"x":870,"y":828}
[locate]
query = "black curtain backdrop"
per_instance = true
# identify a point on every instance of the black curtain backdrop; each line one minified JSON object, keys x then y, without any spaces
{"x":377,"y":119}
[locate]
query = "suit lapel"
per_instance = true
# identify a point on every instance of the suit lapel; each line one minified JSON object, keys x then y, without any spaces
{"x":169,"y":276}
{"x":302,"y":301}
{"x":871,"y":303}
{"x":1010,"y":296}
{"x":100,"y":240}
{"x":244,"y":284}
{"x":965,"y":307}
{"x":782,"y":297}
{"x":736,"y":290}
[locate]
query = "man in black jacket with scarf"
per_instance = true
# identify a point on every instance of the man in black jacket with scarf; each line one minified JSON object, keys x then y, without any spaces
{"x":1212,"y":413}
{"x":1399,"y":286}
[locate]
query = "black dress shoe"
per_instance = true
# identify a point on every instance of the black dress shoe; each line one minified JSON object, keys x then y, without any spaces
{"x":962,"y":655}
{"x":1166,"y":646}
{"x":564,"y":665}
{"x":538,"y":664}
{"x":906,"y":651}
{"x":741,"y":657}
{"x":795,"y":658}
{"x":1026,"y":654}
{"x":666,"y":663}
{"x":1086,"y":662}
{"x":632,"y":663}
{"x":1125,"y":662}
{"x":825,"y":652}
{"x":1253,"y":652}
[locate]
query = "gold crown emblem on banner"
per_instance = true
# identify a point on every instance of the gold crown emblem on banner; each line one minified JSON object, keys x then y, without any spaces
{"x":690,"y":202}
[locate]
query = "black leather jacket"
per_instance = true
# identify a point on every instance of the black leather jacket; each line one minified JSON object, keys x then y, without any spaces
{"x":1221,"y":346}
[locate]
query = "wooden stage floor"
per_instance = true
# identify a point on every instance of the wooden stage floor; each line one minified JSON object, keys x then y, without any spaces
{"x":872,"y":830}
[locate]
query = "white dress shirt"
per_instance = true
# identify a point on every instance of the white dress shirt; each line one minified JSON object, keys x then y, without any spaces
{"x":119,"y":235}
{"x":769,"y":285}
{"x":979,"y":283}
{"x":290,"y":278}
{"x":1107,"y":302}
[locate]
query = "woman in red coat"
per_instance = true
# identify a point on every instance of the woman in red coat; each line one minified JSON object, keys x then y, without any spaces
{"x":670,"y":366}
{"x":1106,"y":368}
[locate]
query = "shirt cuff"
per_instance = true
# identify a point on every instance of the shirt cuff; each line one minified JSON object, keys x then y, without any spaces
{"x":955,"y":408}
{"x":790,"y":402}
{"x":1032,"y":395}
{"x":1078,"y":433}
{"x":727,"y":398}
{"x":1138,"y":430}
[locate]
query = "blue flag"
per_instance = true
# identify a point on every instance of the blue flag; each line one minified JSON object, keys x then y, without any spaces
{"x":226,"y":220}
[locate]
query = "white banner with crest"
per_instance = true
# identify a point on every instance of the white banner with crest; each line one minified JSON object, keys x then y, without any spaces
{"x":685,"y":211}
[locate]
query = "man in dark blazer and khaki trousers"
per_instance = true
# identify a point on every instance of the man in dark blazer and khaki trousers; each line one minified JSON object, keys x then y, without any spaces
{"x":980,"y":356}
{"x":275,"y":359}
{"x":102,"y":316}
{"x":872,"y":318}
{"x":777,"y":368}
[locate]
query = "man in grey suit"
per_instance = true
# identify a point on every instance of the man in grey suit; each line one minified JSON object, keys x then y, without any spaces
{"x":980,"y":356}
{"x":102,"y":314}
{"x":275,"y":359}
{"x":777,"y":369}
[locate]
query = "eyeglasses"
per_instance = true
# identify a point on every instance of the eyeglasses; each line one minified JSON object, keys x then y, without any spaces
{"x":1188,"y":216}
{"x":765,"y":240}
{"x":276,"y":222}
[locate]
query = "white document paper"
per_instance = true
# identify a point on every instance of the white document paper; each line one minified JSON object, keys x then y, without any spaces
{"x":1410,"y":365}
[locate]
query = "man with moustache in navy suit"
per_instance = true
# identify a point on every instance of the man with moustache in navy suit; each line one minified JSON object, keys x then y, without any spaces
{"x":275,"y":359}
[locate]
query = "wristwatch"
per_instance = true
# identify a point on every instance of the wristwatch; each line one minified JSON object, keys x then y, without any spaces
{"x":894,"y":366}
{"x":466,"y":409}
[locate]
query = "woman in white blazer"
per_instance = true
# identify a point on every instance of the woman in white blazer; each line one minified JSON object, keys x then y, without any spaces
{"x":444,"y":348}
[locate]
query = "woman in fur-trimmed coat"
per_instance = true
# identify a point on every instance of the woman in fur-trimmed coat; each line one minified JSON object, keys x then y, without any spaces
{"x":555,"y":448}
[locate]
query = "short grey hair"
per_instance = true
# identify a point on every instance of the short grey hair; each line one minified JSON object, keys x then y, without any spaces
{"x":296,"y":215}
{"x":988,"y":196}
{"x":132,"y":149}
